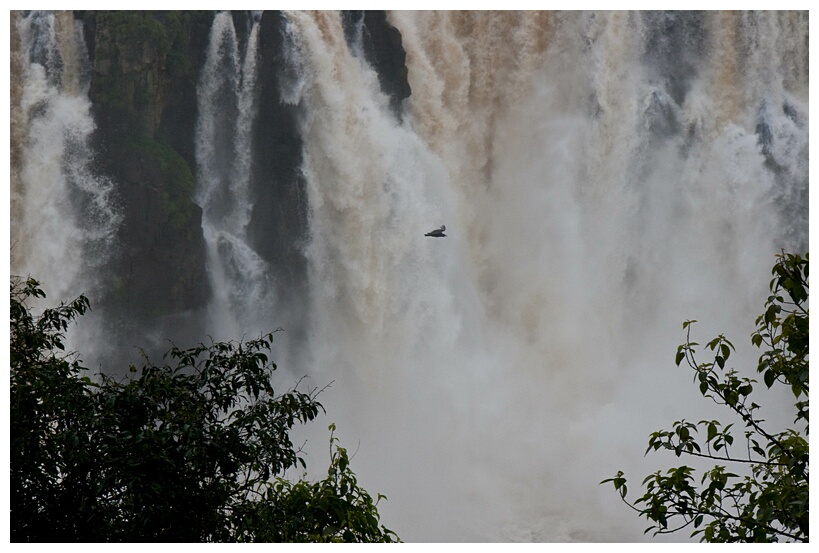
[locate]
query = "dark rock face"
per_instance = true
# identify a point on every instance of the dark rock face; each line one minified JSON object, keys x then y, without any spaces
{"x":143,"y":91}
{"x":382,"y":47}
{"x":278,"y":224}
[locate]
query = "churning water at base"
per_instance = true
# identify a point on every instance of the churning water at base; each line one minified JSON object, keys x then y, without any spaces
{"x":602,"y":176}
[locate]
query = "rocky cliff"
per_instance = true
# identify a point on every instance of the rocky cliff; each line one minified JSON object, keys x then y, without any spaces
{"x":145,"y":70}
{"x":143,"y":91}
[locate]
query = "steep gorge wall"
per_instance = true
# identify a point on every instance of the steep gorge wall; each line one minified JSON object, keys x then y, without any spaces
{"x":145,"y":71}
{"x":143,"y":91}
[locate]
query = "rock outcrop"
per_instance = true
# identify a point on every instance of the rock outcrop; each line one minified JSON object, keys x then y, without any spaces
{"x":143,"y":91}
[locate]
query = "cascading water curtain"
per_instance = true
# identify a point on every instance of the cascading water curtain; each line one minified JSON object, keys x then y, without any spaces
{"x":603,"y":177}
{"x":227,"y":109}
{"x":64,"y":217}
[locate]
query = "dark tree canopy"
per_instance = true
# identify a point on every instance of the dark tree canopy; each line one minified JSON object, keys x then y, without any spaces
{"x":766,"y":499}
{"x":191,"y":450}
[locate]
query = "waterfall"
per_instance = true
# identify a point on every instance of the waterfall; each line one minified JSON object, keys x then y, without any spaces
{"x":227,"y":108}
{"x":603,"y":177}
{"x":64,"y":217}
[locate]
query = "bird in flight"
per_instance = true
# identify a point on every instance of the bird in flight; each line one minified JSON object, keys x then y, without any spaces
{"x":437,"y":233}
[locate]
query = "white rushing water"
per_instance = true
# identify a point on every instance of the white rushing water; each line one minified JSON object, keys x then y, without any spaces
{"x":599,"y":187}
{"x":63,"y":216}
{"x":227,"y":109}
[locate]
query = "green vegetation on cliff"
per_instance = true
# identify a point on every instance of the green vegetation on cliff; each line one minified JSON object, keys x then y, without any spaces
{"x":177,"y":178}
{"x":139,"y":59}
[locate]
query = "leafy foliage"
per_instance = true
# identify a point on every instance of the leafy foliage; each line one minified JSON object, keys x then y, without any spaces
{"x":188,"y":450}
{"x":769,"y":500}
{"x":335,"y":509}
